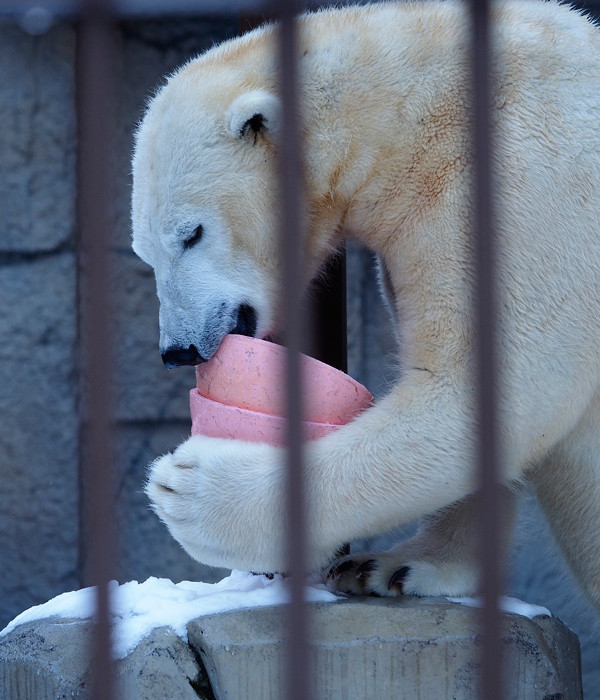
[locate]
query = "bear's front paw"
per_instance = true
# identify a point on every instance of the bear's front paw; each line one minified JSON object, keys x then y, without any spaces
{"x":172,"y":485}
{"x":394,"y":574}
{"x":222,"y":500}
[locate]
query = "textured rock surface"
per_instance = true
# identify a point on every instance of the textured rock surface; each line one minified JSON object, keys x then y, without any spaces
{"x":37,"y":113}
{"x":371,"y":649}
{"x":50,"y":660}
{"x":38,"y":439}
{"x":360,"y":648}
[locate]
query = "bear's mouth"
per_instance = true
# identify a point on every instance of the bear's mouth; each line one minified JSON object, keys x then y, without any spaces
{"x":246,"y":321}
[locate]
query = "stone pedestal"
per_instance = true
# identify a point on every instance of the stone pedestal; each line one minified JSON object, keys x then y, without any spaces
{"x":360,"y":649}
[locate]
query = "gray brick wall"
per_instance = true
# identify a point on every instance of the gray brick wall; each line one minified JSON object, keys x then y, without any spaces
{"x":40,"y":549}
{"x":39,"y":354}
{"x":38,"y":394}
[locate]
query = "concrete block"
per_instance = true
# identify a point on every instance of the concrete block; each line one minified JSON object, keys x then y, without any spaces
{"x":360,"y":648}
{"x":375,"y":648}
{"x":162,"y":666}
{"x":37,"y":139}
{"x":49,"y":660}
{"x":40,"y":432}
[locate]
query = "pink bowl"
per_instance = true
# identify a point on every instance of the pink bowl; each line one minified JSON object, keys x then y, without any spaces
{"x":216,"y":419}
{"x":240,"y":394}
{"x":250,"y":373}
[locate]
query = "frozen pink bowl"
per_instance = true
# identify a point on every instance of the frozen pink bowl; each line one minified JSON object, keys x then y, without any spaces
{"x":241,"y":393}
{"x":216,"y":419}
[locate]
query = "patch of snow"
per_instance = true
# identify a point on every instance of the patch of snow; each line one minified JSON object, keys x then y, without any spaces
{"x":507,"y":604}
{"x":138,"y":608}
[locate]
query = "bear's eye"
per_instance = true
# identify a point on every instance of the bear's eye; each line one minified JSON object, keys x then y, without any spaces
{"x":194,"y":238}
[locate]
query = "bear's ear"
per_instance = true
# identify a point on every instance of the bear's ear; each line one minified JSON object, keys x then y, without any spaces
{"x":254,"y":113}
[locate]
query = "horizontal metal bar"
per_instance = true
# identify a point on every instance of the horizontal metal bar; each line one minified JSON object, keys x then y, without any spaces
{"x":129,"y":9}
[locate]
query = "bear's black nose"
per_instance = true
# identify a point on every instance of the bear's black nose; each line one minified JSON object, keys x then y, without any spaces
{"x":176,"y":357}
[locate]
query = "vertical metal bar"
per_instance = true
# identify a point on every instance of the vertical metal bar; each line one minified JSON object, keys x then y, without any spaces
{"x":94,"y":82}
{"x":487,"y":362}
{"x":291,"y":180}
{"x":327,"y":301}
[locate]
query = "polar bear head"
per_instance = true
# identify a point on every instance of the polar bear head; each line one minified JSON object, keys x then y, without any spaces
{"x":206,"y":205}
{"x":204,"y":208}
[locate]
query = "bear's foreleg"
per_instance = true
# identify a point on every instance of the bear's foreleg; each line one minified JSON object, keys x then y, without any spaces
{"x":408,"y":456}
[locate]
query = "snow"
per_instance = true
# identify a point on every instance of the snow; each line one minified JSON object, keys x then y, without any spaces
{"x":138,"y":608}
{"x":508,"y":605}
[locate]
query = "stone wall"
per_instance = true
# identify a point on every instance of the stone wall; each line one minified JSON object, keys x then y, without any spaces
{"x":38,"y":325}
{"x":41,"y":553}
{"x":40,"y":549}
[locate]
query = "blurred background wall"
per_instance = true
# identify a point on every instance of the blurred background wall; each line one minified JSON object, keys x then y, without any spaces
{"x":41,"y":551}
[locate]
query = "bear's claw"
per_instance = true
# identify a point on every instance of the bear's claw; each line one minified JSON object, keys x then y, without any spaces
{"x":397,"y":578}
{"x":365,"y":568}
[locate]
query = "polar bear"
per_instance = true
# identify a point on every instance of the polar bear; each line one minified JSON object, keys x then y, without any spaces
{"x":385,"y":106}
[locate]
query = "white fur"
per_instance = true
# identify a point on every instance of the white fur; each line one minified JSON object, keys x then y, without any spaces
{"x":385,"y":98}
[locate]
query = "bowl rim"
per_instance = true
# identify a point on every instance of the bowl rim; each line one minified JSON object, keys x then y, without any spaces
{"x":249,"y":340}
{"x":249,"y":412}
